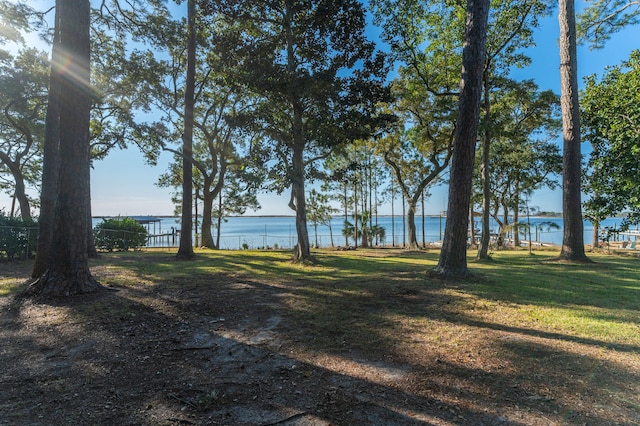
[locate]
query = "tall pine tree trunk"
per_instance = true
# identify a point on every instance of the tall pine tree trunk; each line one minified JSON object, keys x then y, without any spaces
{"x":485,"y":236}
{"x":573,"y":236}
{"x":67,"y":270}
{"x":50,"y":165}
{"x":516,"y":217}
{"x":185,"y":250}
{"x":453,"y":256}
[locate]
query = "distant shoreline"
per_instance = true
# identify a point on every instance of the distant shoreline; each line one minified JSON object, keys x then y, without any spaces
{"x":550,"y":215}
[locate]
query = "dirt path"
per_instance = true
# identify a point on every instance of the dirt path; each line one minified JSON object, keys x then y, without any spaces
{"x":127,"y":364}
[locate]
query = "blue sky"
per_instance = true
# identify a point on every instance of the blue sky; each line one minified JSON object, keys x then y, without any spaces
{"x":545,"y":71}
{"x":124,"y":184}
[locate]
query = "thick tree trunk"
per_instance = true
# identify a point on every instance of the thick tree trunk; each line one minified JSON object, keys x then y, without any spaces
{"x":573,"y":236}
{"x":595,"y":242}
{"x":453,"y":256}
{"x":207,"y":212}
{"x":302,"y":251}
{"x":185,"y":250}
{"x":50,"y":162}
{"x":411,"y":227}
{"x":67,"y":266}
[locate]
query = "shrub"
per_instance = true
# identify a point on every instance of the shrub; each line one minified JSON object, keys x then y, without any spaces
{"x":17,"y":237}
{"x":119,"y":234}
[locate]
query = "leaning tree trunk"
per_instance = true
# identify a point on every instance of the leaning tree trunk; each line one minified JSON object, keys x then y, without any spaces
{"x":185,"y":251}
{"x":19,"y":192}
{"x":573,"y":236}
{"x":67,"y":270}
{"x":453,"y":256}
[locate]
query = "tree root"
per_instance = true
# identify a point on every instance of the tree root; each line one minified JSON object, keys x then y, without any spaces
{"x":52,"y":284}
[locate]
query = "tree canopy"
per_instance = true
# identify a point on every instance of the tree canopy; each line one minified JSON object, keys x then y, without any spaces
{"x":603,"y":18}
{"x":314,"y":77}
{"x":24,"y":85}
{"x":285,"y":85}
{"x":523,"y":154}
{"x":611,"y":116}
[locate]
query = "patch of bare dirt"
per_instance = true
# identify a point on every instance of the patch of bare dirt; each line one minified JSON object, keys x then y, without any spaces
{"x":168,"y":354}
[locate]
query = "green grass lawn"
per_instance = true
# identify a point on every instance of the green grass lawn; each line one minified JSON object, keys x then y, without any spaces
{"x":597,"y":302}
{"x":378,"y":293}
{"x":524,"y":334}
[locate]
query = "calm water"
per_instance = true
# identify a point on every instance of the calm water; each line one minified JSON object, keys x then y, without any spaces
{"x":267,"y":231}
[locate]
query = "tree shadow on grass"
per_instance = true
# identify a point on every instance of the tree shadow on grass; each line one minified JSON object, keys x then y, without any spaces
{"x":113,"y":359}
{"x":261,"y":342}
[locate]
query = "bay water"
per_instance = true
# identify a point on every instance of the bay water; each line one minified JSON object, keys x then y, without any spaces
{"x":280,"y":231}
